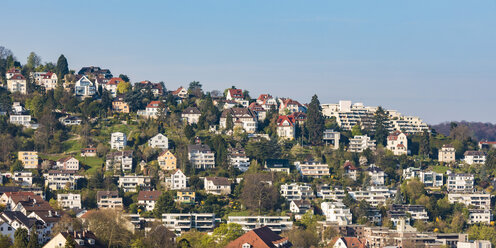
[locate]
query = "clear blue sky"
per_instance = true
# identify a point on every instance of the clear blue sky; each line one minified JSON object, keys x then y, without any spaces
{"x":434,"y":59}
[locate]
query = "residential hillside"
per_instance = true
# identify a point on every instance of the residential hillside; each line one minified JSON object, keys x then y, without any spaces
{"x":479,"y":130}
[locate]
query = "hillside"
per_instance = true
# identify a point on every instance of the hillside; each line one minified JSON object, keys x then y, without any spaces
{"x":479,"y":130}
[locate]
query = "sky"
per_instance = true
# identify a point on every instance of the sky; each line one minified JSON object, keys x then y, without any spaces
{"x":432,"y":59}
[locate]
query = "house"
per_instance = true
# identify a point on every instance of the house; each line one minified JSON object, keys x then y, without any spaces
{"x":13,"y":220}
{"x":82,"y":239}
{"x":159,"y":141}
{"x":486,"y":145}
{"x":397,"y":212}
{"x":11,"y":72}
{"x":109,"y":199}
{"x":259,"y":111}
{"x":179,"y":223}
{"x":29,"y":159}
{"x":201,"y":157}
{"x":300,"y":206}
{"x":120,"y":106}
{"x":447,"y":154}
{"x":377,"y":175}
{"x":296,"y":191}
{"x":277,"y":224}
{"x":17,"y":83}
{"x":236,"y":95}
{"x":242,"y":117}
{"x":483,"y":216}
{"x":217,"y":185}
{"x":474,"y":244}
{"x":331,"y":138}
{"x":167,"y":160}
{"x":336,"y":212}
{"x":299,"y":117}
{"x":349,"y":242}
{"x":153,"y":109}
{"x":460,"y":182}
{"x":350,"y":170}
{"x":411,"y":172}
{"x":181,"y":92}
{"x":289,"y":106}
{"x":23,"y":119}
{"x":374,"y":195}
{"x":480,"y":200}
{"x":148,"y":199}
{"x":109,"y":85}
{"x":186,"y":196}
{"x":475,"y":157}
{"x":11,"y":199}
{"x":70,"y":120}
{"x":267,"y":101}
{"x":68,"y":163}
{"x":129,"y":183}
{"x":325,"y":192}
{"x":191,"y":115}
{"x":23,"y":178}
{"x":361,"y":143}
{"x":61,"y":179}
{"x":69,"y":200}
{"x":157,"y":89}
{"x":277,"y":165}
{"x":286,"y":127}
{"x":312,"y":169}
{"x":431,"y":179}
{"x":262,"y":237}
{"x":47,"y":80}
{"x":176,"y":181}
{"x":238,"y":159}
{"x":397,"y":142}
{"x":6,"y":229}
{"x":118,"y":140}
{"x":119,"y":160}
{"x":88,"y":152}
{"x":84,"y":87}
{"x":95,"y":72}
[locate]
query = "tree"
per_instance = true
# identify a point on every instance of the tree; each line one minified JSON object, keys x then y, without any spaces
{"x":17,"y":166}
{"x":381,"y":131}
{"x":159,"y":236}
{"x":33,"y":61}
{"x":21,"y":238}
{"x":110,"y":227}
{"x":482,"y":232}
{"x":356,"y":130}
{"x":303,"y":238}
{"x":257,"y":195}
{"x":226,"y":233}
{"x":189,"y":132}
{"x":62,"y":67}
{"x":123,"y":87}
{"x":70,"y":242}
{"x":5,"y":240}
{"x":165,"y":204}
{"x":33,"y":238}
{"x":424,"y":144}
{"x":315,"y":123}
{"x":124,"y":77}
{"x":229,"y":121}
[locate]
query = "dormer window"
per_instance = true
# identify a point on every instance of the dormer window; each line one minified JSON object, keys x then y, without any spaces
{"x":246,"y":245}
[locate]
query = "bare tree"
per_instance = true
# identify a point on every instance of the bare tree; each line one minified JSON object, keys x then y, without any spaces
{"x":258,"y":193}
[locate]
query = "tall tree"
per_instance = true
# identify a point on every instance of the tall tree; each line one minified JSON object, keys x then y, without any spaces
{"x":124,"y":77}
{"x":70,"y":242}
{"x":33,"y":238}
{"x":424,"y":144}
{"x":21,"y":238}
{"x":33,"y":61}
{"x":257,"y":195}
{"x":381,"y":131}
{"x":165,"y":204}
{"x":356,"y":130}
{"x":62,"y":67}
{"x":229,"y":121}
{"x":315,"y":123}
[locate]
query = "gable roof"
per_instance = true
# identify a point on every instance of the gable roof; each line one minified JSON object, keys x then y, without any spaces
{"x":153,"y":104}
{"x":17,"y":77}
{"x":349,"y":166}
{"x":192,"y":110}
{"x":218,"y":180}
{"x":85,"y":236}
{"x":149,"y":195}
{"x":285,"y":118}
{"x":262,"y":237}
{"x":63,"y":160}
{"x":114,"y":81}
{"x":394,"y":135}
{"x":236,"y":93}
{"x":351,"y":242}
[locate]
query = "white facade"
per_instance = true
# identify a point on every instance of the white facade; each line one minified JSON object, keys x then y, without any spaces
{"x":121,"y":160}
{"x":109,"y":199}
{"x":69,"y":200}
{"x":336,"y":212}
{"x":217,"y":185}
{"x":238,"y":159}
{"x":118,"y":141}
{"x":377,"y":175}
{"x":176,"y":181}
{"x":129,"y":182}
{"x":159,"y":141}
{"x":179,"y":223}
{"x":475,"y":157}
{"x":447,"y":154}
{"x":17,"y":83}
{"x":431,"y":179}
{"x":24,"y":178}
{"x":295,"y":191}
{"x":201,"y":156}
{"x":479,"y":216}
{"x":69,"y":163}
{"x":327,"y":193}
{"x":375,"y":196}
{"x":56,"y":180}
{"x":474,"y":244}
{"x":277,"y":224}
{"x":361,"y":143}
{"x":460,"y":182}
{"x":332,"y":138}
{"x":84,"y":87}
{"x":479,"y":200}
{"x":397,"y":142}
{"x":312,"y":169}
{"x":20,"y":119}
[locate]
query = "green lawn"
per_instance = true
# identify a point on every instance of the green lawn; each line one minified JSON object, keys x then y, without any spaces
{"x":440,"y":169}
{"x":73,"y":145}
{"x":93,"y":162}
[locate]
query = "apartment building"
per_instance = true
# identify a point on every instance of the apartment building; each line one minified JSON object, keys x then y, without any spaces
{"x":475,"y":157}
{"x":119,"y":161}
{"x":23,"y":178}
{"x":191,"y":115}
{"x":242,"y":117}
{"x":327,"y":193}
{"x":348,"y":115}
{"x":479,"y":200}
{"x":336,"y":212}
{"x":483,"y":216}
{"x":312,"y":169}
{"x":277,"y":224}
{"x":398,"y":212}
{"x":179,"y":223}
{"x":201,"y":157}
{"x":61,"y":179}
{"x":118,"y":140}
{"x":17,"y":83}
{"x":460,"y":182}
{"x":167,"y":160}
{"x":374,"y":195}
{"x":238,"y":159}
{"x":361,"y":143}
{"x":447,"y":154}
{"x":431,"y":179}
{"x":331,"y":138}
{"x":69,"y":200}
{"x":29,"y":159}
{"x":129,"y":183}
{"x":296,"y":191}
{"x":109,"y":199}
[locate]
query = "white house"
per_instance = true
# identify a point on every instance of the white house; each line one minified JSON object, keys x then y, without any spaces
{"x":374,"y":195}
{"x":176,"y":181}
{"x":84,"y":87}
{"x":217,"y":185}
{"x":24,"y":178}
{"x":447,"y":154}
{"x":286,"y":127}
{"x":431,"y":179}
{"x":242,"y":117}
{"x":300,"y":206}
{"x":479,"y":216}
{"x":129,"y":183}
{"x":148,"y":199}
{"x":17,"y":83}
{"x":68,"y":163}
{"x":267,"y":101}
{"x":277,"y":224}
{"x":480,"y":200}
{"x":69,"y":200}
{"x":361,"y":143}
{"x":159,"y":141}
{"x":179,"y":223}
{"x":201,"y":157}
{"x":475,"y":157}
{"x":312,"y":169}
{"x":377,"y":175}
{"x":336,"y":212}
{"x":191,"y":115}
{"x":296,"y":191}
{"x":109,"y":199}
{"x":152,"y":110}
{"x":397,"y":142}
{"x":21,"y":119}
{"x":460,"y":182}
{"x":59,"y":179}
{"x":48,"y":80}
{"x":350,"y":170}
{"x":238,"y":159}
{"x":118,"y":141}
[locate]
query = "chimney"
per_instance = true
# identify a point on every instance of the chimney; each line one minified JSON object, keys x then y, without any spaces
{"x":75,"y":234}
{"x":49,"y":213}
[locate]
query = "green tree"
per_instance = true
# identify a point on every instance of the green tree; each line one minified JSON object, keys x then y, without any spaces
{"x":123,"y":87}
{"x":5,"y":241}
{"x":189,"y":132}
{"x":21,"y":238}
{"x":482,"y":232}
{"x":70,"y":242}
{"x":33,"y":61}
{"x":424,"y":144}
{"x":381,"y":131}
{"x":62,"y":67}
{"x":124,"y":77}
{"x":33,"y":238}
{"x":315,"y":123}
{"x":356,"y":130}
{"x":226,"y":233}
{"x":229,"y":121}
{"x":165,"y":204}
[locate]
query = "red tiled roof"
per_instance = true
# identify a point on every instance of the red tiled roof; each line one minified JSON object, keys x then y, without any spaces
{"x":153,"y":104}
{"x":17,"y":77}
{"x":349,"y":166}
{"x":394,"y":135}
{"x":114,"y":81}
{"x":282,"y":118}
{"x":262,"y":237}
{"x":177,"y":91}
{"x":236,"y":93}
